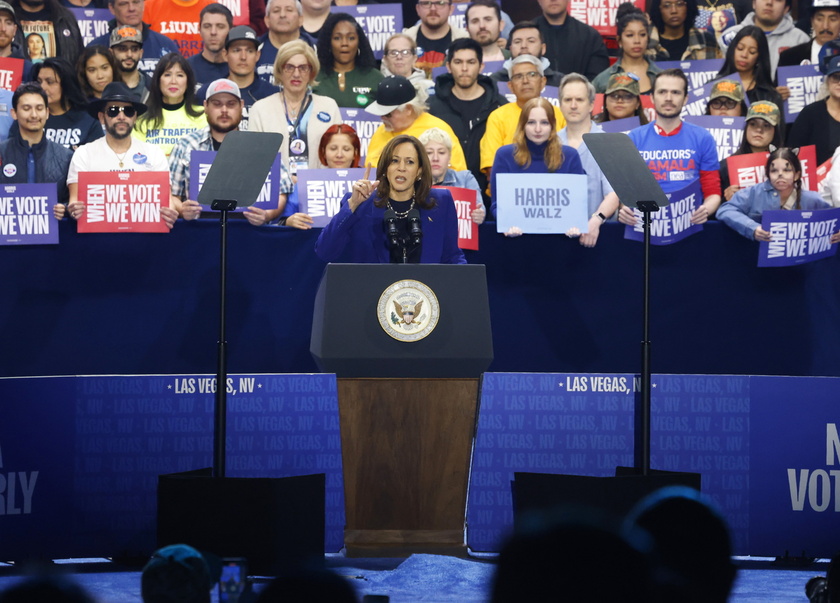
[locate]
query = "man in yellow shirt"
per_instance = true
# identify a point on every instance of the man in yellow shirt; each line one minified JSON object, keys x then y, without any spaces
{"x":527,"y":81}
{"x":403,"y":110}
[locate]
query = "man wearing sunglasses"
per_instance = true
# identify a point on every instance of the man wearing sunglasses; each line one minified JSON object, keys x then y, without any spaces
{"x":117,"y":151}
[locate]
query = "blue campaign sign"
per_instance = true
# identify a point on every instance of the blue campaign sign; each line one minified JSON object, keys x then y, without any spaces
{"x":26,"y":214}
{"x":797,"y":236}
{"x":697,"y":72}
{"x":541,"y":203}
{"x":378,"y":21}
{"x":795,"y":467}
{"x":803,"y":82}
{"x":93,"y":22}
{"x":364,"y":123}
{"x":622,"y":126}
{"x":320,"y":192}
{"x":671,"y":223}
{"x":728,"y":132}
{"x":200,"y":162}
{"x":110,"y":437}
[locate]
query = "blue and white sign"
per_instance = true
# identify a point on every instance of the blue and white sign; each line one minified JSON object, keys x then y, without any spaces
{"x":541,"y":203}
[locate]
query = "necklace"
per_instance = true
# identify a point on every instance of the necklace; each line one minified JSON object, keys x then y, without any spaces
{"x":401,"y":214}
{"x":341,"y":81}
{"x":121,"y":159}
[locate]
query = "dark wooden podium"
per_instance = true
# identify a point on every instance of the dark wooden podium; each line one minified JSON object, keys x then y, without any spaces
{"x":407,"y":409}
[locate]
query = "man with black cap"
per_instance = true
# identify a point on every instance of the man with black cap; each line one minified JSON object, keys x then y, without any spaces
{"x":127,"y":48}
{"x":825,"y":23}
{"x":129,"y":13}
{"x":243,"y":53}
{"x":223,"y":109}
{"x":403,"y":110}
{"x":118,"y":150}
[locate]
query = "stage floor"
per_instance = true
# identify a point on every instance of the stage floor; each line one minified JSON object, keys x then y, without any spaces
{"x":433,"y":578}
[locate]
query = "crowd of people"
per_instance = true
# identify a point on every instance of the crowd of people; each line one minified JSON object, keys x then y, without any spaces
{"x":142,"y":97}
{"x":673,"y":545}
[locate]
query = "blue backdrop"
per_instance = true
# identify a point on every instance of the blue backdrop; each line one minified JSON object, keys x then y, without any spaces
{"x":147,"y":304}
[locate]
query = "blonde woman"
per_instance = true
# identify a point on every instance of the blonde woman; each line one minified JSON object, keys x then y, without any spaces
{"x":295,"y":112}
{"x":438,"y":146}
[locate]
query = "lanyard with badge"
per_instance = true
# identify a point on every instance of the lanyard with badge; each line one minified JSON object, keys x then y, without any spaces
{"x":298,"y":153}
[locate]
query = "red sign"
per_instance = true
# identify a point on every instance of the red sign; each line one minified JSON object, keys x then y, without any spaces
{"x":123,"y":201}
{"x":466,"y":200}
{"x":11,"y":73}
{"x":599,"y":14}
{"x":748,"y":170}
{"x":822,"y":172}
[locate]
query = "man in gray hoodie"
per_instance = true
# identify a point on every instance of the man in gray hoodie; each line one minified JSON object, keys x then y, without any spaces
{"x":773,"y":18}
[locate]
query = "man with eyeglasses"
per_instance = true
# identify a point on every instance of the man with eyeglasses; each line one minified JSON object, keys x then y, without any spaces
{"x":214,"y":23}
{"x":527,"y":81}
{"x":677,"y":152}
{"x":283,"y":18}
{"x":433,"y":34}
{"x":242,"y":55}
{"x":129,"y":13}
{"x":118,"y":150}
{"x":464,"y":98}
{"x":223,"y":109}
{"x":571,"y":46}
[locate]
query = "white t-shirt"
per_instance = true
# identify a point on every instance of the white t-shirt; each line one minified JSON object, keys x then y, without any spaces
{"x":97,"y":156}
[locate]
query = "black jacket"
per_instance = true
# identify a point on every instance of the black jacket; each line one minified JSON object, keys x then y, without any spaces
{"x":68,"y":38}
{"x":574,"y":48}
{"x":51,"y":163}
{"x":468,"y":128}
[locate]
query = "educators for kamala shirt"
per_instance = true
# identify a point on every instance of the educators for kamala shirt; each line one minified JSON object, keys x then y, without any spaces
{"x":676,"y":158}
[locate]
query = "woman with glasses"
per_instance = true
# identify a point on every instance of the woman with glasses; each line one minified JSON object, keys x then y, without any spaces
{"x":761,"y":135}
{"x":295,"y":112}
{"x":400,"y":58}
{"x":748,"y":55}
{"x":621,"y":100}
{"x":69,"y":123}
{"x":726,"y":99}
{"x":673,"y":33}
{"x":173,"y":108}
{"x":633,"y":33}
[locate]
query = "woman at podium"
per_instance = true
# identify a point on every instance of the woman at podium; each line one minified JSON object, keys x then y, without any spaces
{"x":396,"y":218}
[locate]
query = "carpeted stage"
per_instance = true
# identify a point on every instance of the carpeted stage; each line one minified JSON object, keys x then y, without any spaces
{"x":436,"y":578}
